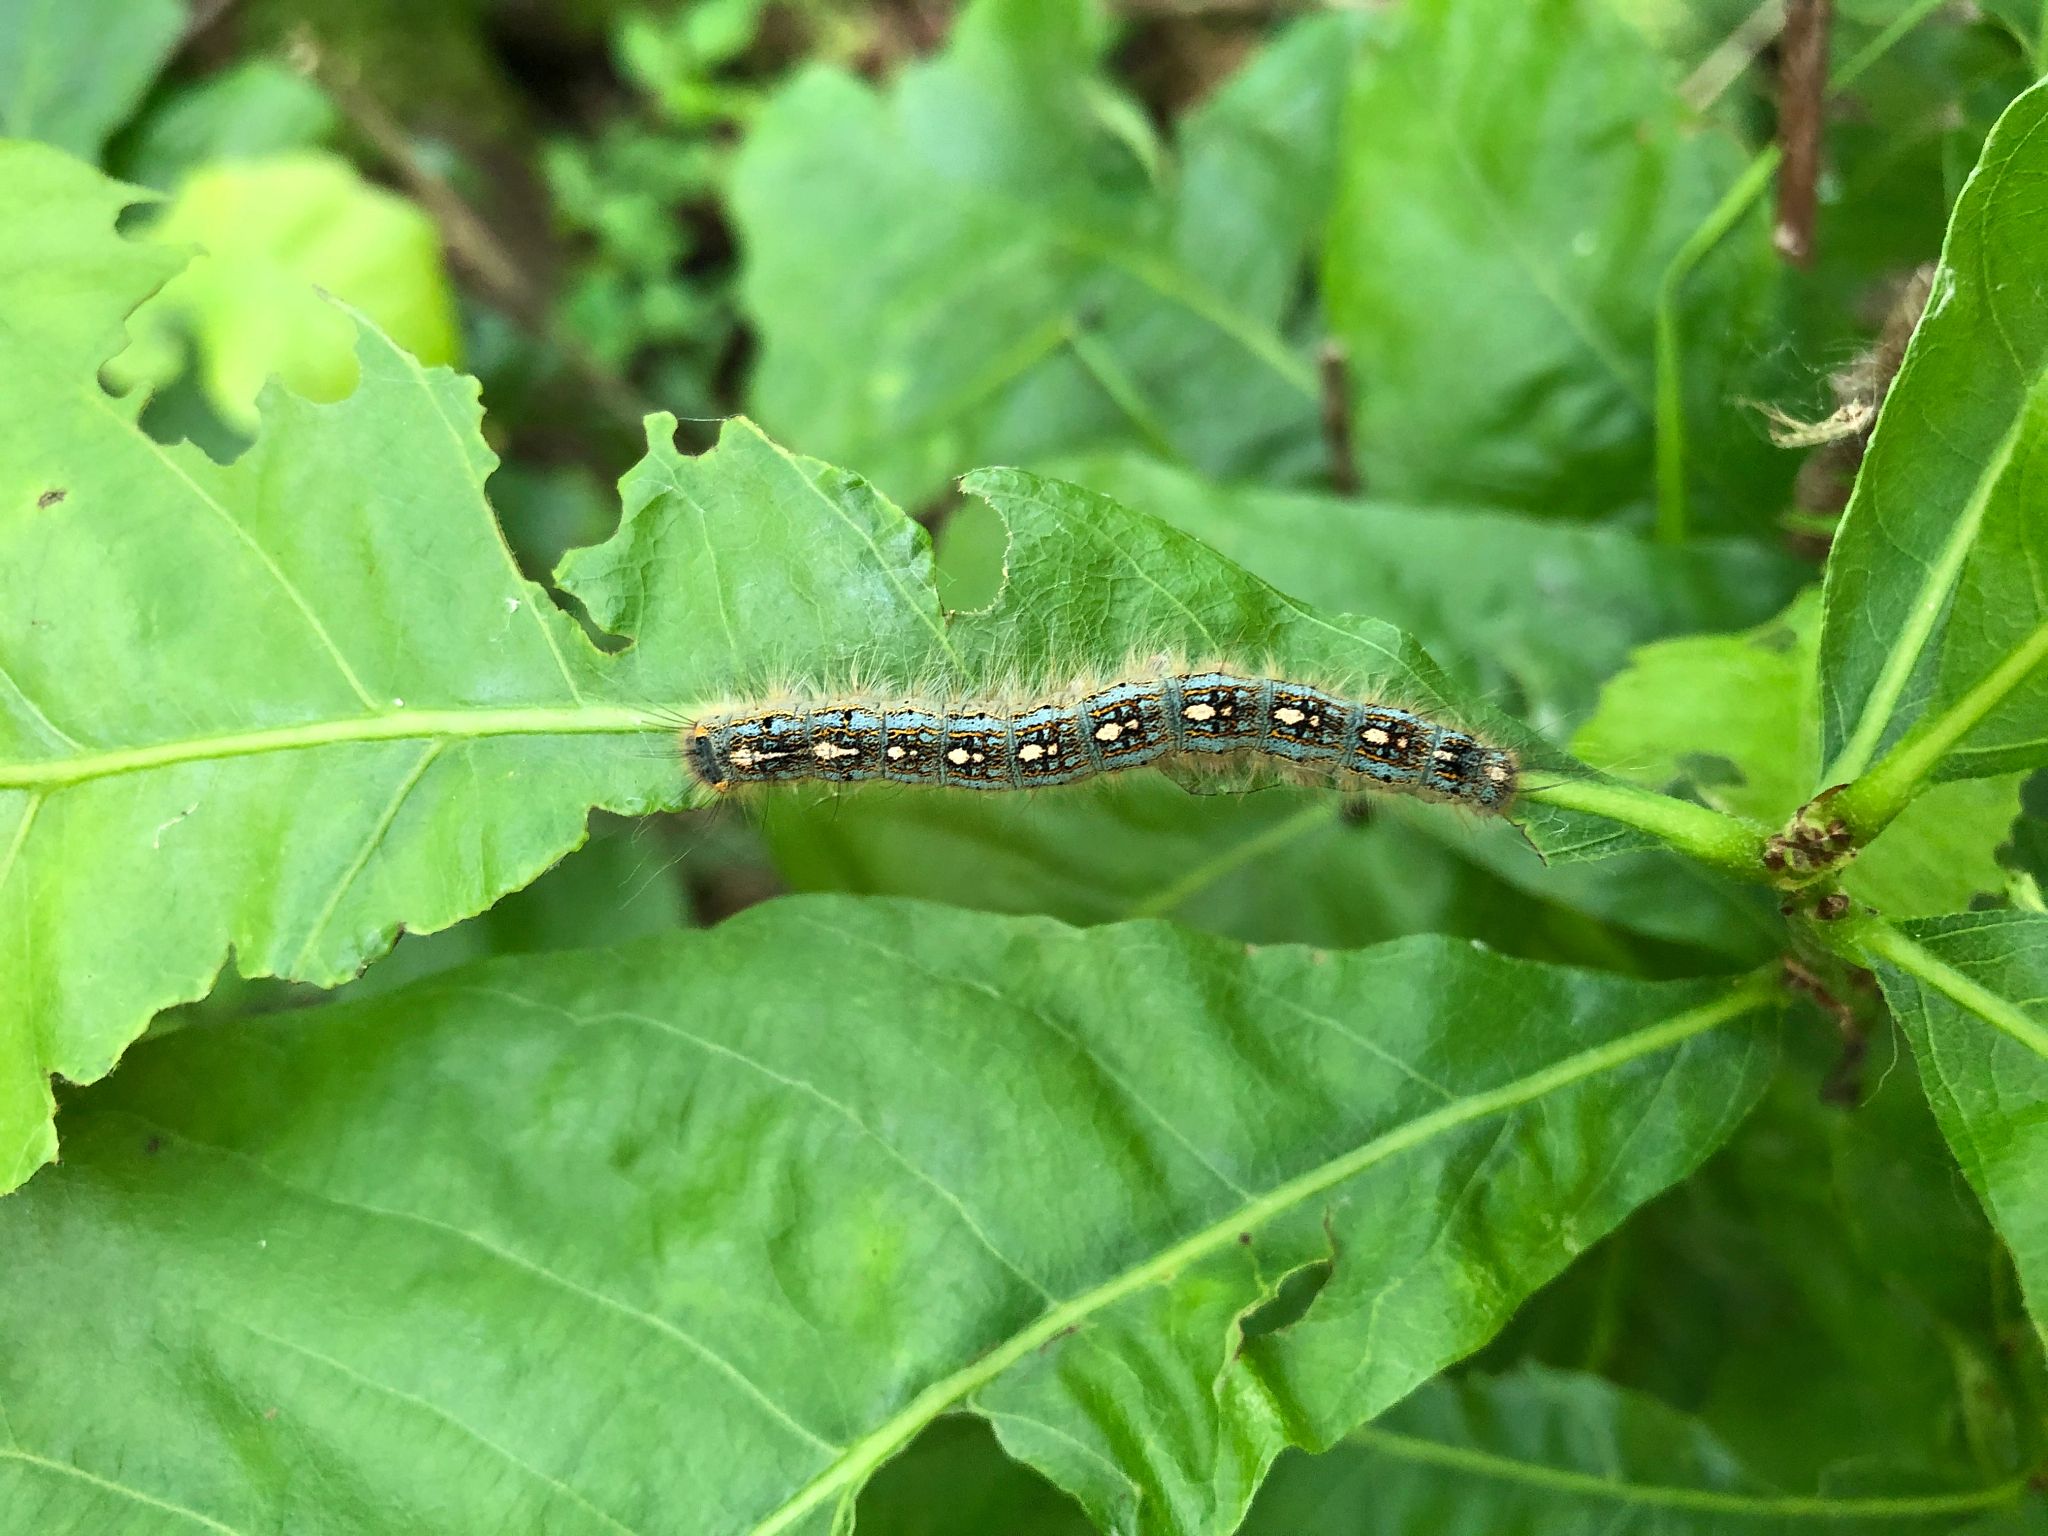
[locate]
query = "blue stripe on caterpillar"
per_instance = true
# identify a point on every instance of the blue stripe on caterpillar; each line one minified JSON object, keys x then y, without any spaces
{"x":1124,"y":725}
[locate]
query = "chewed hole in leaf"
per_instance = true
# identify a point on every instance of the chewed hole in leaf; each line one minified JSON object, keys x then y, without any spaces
{"x":1289,"y":1302}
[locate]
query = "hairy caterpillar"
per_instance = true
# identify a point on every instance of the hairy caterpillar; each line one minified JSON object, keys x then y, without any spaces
{"x":1123,"y":724}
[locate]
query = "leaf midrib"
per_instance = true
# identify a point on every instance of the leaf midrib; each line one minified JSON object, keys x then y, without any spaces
{"x":1886,"y":942}
{"x":397,"y":725}
{"x":867,"y":1453}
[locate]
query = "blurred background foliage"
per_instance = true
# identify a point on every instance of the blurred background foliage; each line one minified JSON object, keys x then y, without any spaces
{"x":1367,"y":296}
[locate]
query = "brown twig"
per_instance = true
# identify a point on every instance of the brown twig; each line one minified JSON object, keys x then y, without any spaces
{"x":1333,"y":368}
{"x":469,"y":241}
{"x":1843,"y":1084}
{"x":1802,"y":86}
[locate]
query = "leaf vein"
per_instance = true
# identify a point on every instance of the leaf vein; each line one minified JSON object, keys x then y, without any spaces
{"x":2003,"y":174}
{"x":398,"y":1394}
{"x":372,"y":841}
{"x":51,"y":1464}
{"x":41,"y":718}
{"x":844,"y":1111}
{"x":511,"y":1259}
{"x":1487,"y":198}
{"x":1364,"y":1042}
{"x":1138,"y":1100}
{"x":538,"y":608}
{"x":21,"y":831}
{"x":709,"y":548}
{"x":930,"y":620}
{"x":1093,"y":1453}
{"x":285,"y":584}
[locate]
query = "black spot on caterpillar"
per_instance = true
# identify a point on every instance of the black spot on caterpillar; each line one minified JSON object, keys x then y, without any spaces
{"x":1124,"y":724}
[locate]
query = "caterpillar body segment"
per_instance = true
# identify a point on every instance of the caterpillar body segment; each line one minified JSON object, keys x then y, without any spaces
{"x":1124,"y":724}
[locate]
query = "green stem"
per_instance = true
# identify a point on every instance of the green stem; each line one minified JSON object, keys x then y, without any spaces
{"x":1869,"y":804}
{"x":1462,"y":1458}
{"x":1879,"y":940}
{"x":1879,"y":45}
{"x":1714,"y":838}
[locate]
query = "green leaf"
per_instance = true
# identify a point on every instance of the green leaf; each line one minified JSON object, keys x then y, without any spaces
{"x":601,"y":893}
{"x":1935,"y":612}
{"x":258,"y":108}
{"x":1728,"y":719}
{"x":983,"y":264}
{"x":287,"y":705}
{"x":274,"y":234}
{"x":1516,"y":176}
{"x":283,"y":706}
{"x":1529,"y":615}
{"x":1082,"y":609}
{"x":1547,"y":1450}
{"x":1532,"y":614}
{"x":689,"y":1237}
{"x":1968,"y":990}
{"x":1825,"y":1294}
{"x":71,"y":71}
{"x":1258,"y":165}
{"x":1278,"y":865}
{"x":605,"y":892}
{"x":1091,"y":586}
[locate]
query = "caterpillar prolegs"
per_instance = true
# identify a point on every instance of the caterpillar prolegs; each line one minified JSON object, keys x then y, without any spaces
{"x":1123,"y":724}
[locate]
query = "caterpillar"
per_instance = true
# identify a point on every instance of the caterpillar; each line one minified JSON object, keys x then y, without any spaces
{"x":1124,"y":724}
